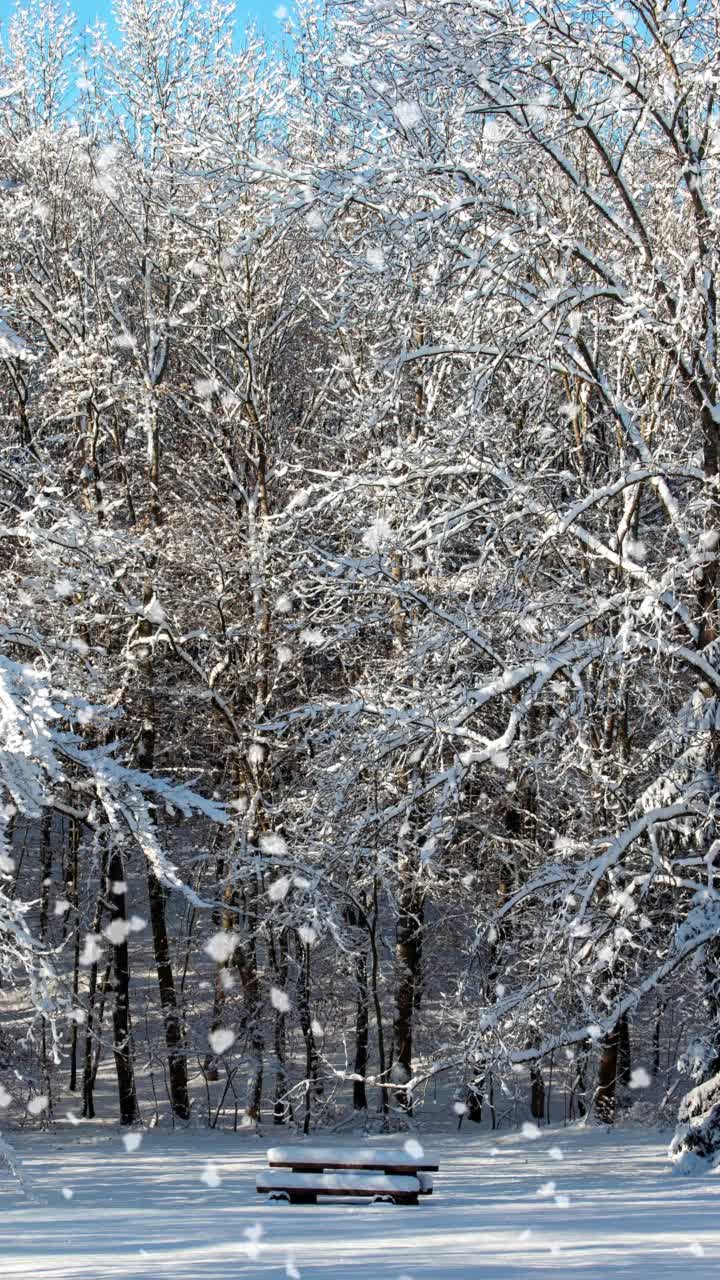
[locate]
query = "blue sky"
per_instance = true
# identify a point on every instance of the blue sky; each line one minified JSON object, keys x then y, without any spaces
{"x":260,"y":11}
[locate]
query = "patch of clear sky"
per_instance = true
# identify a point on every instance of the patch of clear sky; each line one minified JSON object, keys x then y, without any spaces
{"x":260,"y":12}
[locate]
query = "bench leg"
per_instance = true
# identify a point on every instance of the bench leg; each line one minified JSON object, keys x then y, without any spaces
{"x":303,"y":1197}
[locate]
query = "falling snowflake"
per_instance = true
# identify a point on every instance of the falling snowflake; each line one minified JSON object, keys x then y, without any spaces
{"x":639,"y":1079}
{"x":117,"y":932}
{"x":210,"y":1175}
{"x":635,"y":549}
{"x":221,"y":1039}
{"x":221,"y":946}
{"x":273,"y":844}
{"x":253,"y":1235}
{"x":154,"y":612}
{"x":414,"y":1148}
{"x":278,"y":890}
{"x":92,"y":950}
{"x":546,"y":1190}
{"x":377,"y":535}
{"x":408,"y":113}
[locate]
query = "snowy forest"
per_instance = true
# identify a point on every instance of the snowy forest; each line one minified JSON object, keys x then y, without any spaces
{"x":359,"y":566}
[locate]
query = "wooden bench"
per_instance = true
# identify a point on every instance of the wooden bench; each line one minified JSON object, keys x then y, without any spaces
{"x":301,"y":1174}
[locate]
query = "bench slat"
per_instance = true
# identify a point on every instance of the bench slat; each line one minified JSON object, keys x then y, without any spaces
{"x":389,"y":1159}
{"x":359,"y":1184}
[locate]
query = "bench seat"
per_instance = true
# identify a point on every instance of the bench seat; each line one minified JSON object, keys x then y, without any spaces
{"x":393,"y":1160}
{"x":306,"y":1187}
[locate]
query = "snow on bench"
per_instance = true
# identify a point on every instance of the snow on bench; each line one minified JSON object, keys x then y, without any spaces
{"x":306,"y":1187}
{"x":385,"y":1160}
{"x":301,"y":1173}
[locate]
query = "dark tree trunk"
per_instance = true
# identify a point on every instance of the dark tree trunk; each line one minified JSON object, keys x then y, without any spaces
{"x":157,"y":894}
{"x":579,"y":1088}
{"x":624,"y":1051}
{"x":377,"y":1006}
{"x":358,"y":921}
{"x":246,"y":963}
{"x":46,"y":860}
{"x":282,"y":1111}
{"x":607,"y":1076}
{"x":313,"y":1088}
{"x":88,"y":1078}
{"x":122,"y":1041}
{"x":537,"y":1092}
{"x":73,"y":897}
{"x":245,"y":958}
{"x":407,"y":957}
{"x":362,"y":1032}
{"x":223,"y":918}
{"x":657,"y":1027}
{"x":174,"y":1039}
{"x":475,"y":1096}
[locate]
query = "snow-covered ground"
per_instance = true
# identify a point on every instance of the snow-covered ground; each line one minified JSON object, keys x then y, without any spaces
{"x":572,"y":1202}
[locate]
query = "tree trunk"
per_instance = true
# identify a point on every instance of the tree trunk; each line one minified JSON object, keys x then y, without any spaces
{"x":88,"y":1079}
{"x":245,"y":958}
{"x":537,"y":1092}
{"x":174,"y":1039}
{"x":157,"y":894}
{"x":475,"y":1096}
{"x":607,"y":1076}
{"x":407,"y":956}
{"x":73,"y":896}
{"x":657,"y":1026}
{"x":122,"y":1041}
{"x":377,"y":1006}
{"x":579,"y":1087}
{"x":624,"y":1051}
{"x":312,"y":1058}
{"x":282,"y":1111}
{"x":362,"y":1032}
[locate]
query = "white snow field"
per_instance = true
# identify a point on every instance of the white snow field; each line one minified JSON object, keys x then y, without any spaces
{"x":573,"y":1202}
